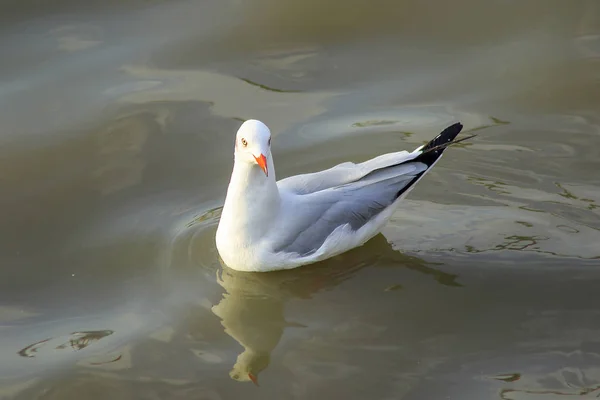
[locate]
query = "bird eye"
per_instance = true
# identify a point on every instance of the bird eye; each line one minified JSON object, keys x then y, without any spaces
{"x":244,"y":142}
{"x":269,"y":141}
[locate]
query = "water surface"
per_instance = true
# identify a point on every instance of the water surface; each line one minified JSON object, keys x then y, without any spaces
{"x":117,"y":122}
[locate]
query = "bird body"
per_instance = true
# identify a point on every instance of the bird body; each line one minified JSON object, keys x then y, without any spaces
{"x":269,"y":225}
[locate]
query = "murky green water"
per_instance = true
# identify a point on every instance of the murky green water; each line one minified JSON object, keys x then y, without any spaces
{"x":117,"y":122}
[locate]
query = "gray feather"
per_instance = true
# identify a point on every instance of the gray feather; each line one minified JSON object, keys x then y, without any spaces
{"x":355,"y":203}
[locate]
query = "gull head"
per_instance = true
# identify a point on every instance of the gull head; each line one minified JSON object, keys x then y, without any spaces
{"x":253,"y":144}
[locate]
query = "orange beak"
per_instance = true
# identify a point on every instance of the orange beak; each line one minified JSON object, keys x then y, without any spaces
{"x":253,"y":378}
{"x":262,"y":162}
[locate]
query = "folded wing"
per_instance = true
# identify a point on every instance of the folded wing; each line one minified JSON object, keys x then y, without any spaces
{"x":355,"y":204}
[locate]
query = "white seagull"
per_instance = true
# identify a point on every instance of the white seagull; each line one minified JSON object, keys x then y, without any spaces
{"x":269,"y":225}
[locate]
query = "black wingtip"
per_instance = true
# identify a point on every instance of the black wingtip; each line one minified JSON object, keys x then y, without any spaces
{"x":446,"y":136}
{"x":434,"y":149}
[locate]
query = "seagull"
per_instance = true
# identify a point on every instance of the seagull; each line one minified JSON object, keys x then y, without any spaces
{"x":268,"y":225}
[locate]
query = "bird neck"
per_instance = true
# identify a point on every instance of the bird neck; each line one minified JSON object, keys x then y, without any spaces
{"x":252,"y":201}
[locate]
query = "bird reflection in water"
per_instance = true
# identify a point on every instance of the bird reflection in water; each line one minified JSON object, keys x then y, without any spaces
{"x":252,"y":307}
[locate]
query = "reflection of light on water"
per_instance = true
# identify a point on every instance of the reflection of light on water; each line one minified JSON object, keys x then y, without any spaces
{"x":76,"y":341}
{"x":419,"y":122}
{"x":228,"y":96}
{"x":582,"y":393}
{"x":488,"y":229}
{"x":12,"y":389}
{"x":73,"y":38}
{"x":130,"y":87}
{"x":288,"y":63}
{"x":565,"y":383}
{"x":12,"y":314}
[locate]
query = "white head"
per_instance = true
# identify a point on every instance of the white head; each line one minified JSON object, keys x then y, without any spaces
{"x":253,"y":144}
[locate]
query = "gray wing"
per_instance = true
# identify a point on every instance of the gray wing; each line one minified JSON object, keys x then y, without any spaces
{"x":318,"y":214}
{"x":341,"y":174}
